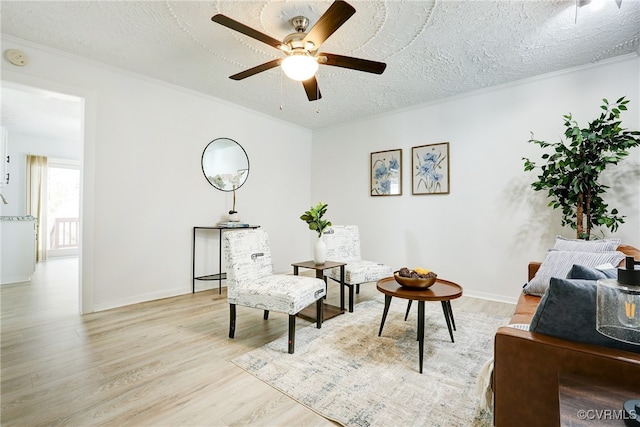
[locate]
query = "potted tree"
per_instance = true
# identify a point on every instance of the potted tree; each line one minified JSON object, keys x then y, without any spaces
{"x":572,"y":169}
{"x":313,"y":217}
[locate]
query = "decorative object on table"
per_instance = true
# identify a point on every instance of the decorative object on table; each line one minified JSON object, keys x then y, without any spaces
{"x":233,"y":224}
{"x":343,"y":245}
{"x":313,"y":217}
{"x":618,"y":304}
{"x":573,"y":167}
{"x":301,"y":47}
{"x":251,"y":282}
{"x":430,"y":169}
{"x":225,"y":164}
{"x":420,"y":278}
{"x":618,"y":315}
{"x":386,"y":173}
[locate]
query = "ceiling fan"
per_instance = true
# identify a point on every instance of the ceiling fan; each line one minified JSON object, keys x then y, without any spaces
{"x":301,"y":48}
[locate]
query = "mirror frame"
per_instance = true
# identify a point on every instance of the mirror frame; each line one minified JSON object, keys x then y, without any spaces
{"x":202,"y":165}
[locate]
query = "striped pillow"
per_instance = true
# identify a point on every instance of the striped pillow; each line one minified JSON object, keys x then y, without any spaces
{"x":559,"y":263}
{"x":602,"y":245}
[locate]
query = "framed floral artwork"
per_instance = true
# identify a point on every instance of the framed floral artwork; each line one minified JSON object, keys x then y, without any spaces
{"x":430,"y":169}
{"x":386,"y":173}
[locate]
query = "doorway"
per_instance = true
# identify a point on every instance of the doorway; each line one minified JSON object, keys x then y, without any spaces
{"x":50,"y":124}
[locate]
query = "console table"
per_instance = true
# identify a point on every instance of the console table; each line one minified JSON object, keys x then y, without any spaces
{"x":219,"y":276}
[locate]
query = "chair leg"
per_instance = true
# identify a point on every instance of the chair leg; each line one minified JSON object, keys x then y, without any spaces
{"x":358,"y":288}
{"x":292,"y":332}
{"x":232,"y":320}
{"x":265,"y":316}
{"x":351,"y":298}
{"x":319,"y":313}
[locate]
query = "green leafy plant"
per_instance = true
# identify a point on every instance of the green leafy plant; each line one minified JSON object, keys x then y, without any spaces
{"x":313,"y":217}
{"x":570,"y":175}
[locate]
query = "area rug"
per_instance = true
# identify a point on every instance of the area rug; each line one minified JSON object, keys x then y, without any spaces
{"x":348,"y":374}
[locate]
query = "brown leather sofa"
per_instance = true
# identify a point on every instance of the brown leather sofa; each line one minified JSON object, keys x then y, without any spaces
{"x":527,"y":366}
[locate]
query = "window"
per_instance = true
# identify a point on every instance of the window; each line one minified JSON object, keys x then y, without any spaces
{"x":63,"y":209}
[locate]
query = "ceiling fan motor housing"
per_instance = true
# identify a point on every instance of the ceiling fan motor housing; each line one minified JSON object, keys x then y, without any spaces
{"x":300,"y":23}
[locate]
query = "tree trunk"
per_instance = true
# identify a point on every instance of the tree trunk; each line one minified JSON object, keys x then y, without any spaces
{"x":587,"y":213}
{"x":579,"y":214}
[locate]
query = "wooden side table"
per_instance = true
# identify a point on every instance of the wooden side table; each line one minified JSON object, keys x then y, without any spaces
{"x":585,"y":402}
{"x":443,"y":291}
{"x":330,"y":311}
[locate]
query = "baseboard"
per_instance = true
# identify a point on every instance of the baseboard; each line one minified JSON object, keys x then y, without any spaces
{"x":140,"y":298}
{"x":490,"y":297}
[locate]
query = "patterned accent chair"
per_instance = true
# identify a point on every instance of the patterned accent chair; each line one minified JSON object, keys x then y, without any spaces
{"x":251,"y":282}
{"x":343,"y":245}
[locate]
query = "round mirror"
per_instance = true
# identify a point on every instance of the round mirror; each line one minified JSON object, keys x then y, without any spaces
{"x":225,"y":164}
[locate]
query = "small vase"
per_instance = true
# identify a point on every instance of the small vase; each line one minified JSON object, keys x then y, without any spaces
{"x":234,"y":217}
{"x":320,"y":251}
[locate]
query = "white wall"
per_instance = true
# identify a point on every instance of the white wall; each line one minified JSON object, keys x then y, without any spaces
{"x":143,"y":187}
{"x":483,"y":234}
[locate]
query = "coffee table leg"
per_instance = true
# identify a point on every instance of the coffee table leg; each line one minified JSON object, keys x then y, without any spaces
{"x":453,"y":322}
{"x":446,"y":316}
{"x":421,"y":332}
{"x":408,"y":310}
{"x":387,"y":303}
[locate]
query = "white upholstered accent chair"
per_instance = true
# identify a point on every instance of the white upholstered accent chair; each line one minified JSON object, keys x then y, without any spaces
{"x":343,"y":245}
{"x":251,"y":282}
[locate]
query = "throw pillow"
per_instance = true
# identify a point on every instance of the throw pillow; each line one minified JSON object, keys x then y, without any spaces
{"x":568,"y":310}
{"x":588,"y":273}
{"x":559,"y":263}
{"x":602,"y":245}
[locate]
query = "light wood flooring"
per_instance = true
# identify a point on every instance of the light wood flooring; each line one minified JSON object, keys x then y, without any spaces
{"x":160,"y":363}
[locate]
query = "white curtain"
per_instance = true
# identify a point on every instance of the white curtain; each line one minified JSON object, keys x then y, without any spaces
{"x":36,"y":202}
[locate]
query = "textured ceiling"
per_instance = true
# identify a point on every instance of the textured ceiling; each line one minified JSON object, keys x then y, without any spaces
{"x":433,"y":49}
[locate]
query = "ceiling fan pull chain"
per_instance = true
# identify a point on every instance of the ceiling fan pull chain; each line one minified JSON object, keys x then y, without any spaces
{"x":281,"y":107}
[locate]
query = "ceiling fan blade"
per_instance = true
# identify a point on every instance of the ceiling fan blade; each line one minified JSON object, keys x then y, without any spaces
{"x":247,"y":31}
{"x":352,"y":63}
{"x":255,"y":70}
{"x":337,"y":14}
{"x":311,"y":87}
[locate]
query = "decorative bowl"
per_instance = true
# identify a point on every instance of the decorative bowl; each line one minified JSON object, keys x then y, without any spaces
{"x":414,"y":282}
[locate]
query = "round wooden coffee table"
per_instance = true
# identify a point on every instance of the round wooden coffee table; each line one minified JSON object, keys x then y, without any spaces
{"x":443,"y":291}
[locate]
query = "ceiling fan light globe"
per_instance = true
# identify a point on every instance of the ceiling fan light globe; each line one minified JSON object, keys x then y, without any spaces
{"x":299,"y":67}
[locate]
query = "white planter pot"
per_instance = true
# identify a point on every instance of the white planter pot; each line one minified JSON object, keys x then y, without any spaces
{"x":320,"y":251}
{"x":234,"y":217}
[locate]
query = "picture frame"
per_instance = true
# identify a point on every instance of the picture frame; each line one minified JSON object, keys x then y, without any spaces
{"x":430,"y":169}
{"x":386,"y":173}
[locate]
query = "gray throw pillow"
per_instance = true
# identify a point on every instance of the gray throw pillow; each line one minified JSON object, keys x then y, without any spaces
{"x":602,"y":245}
{"x":568,"y":310}
{"x":559,"y":263}
{"x":588,"y":273}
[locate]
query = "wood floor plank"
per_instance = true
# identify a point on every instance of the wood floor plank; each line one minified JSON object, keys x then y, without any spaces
{"x":159,"y":363}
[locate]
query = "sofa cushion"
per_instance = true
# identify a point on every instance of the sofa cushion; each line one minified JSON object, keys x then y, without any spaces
{"x":568,"y":310}
{"x":559,"y":263}
{"x":602,"y":245}
{"x":588,"y":273}
{"x":525,"y":308}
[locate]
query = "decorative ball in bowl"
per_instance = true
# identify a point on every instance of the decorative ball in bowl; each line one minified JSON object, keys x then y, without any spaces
{"x":419,"y":278}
